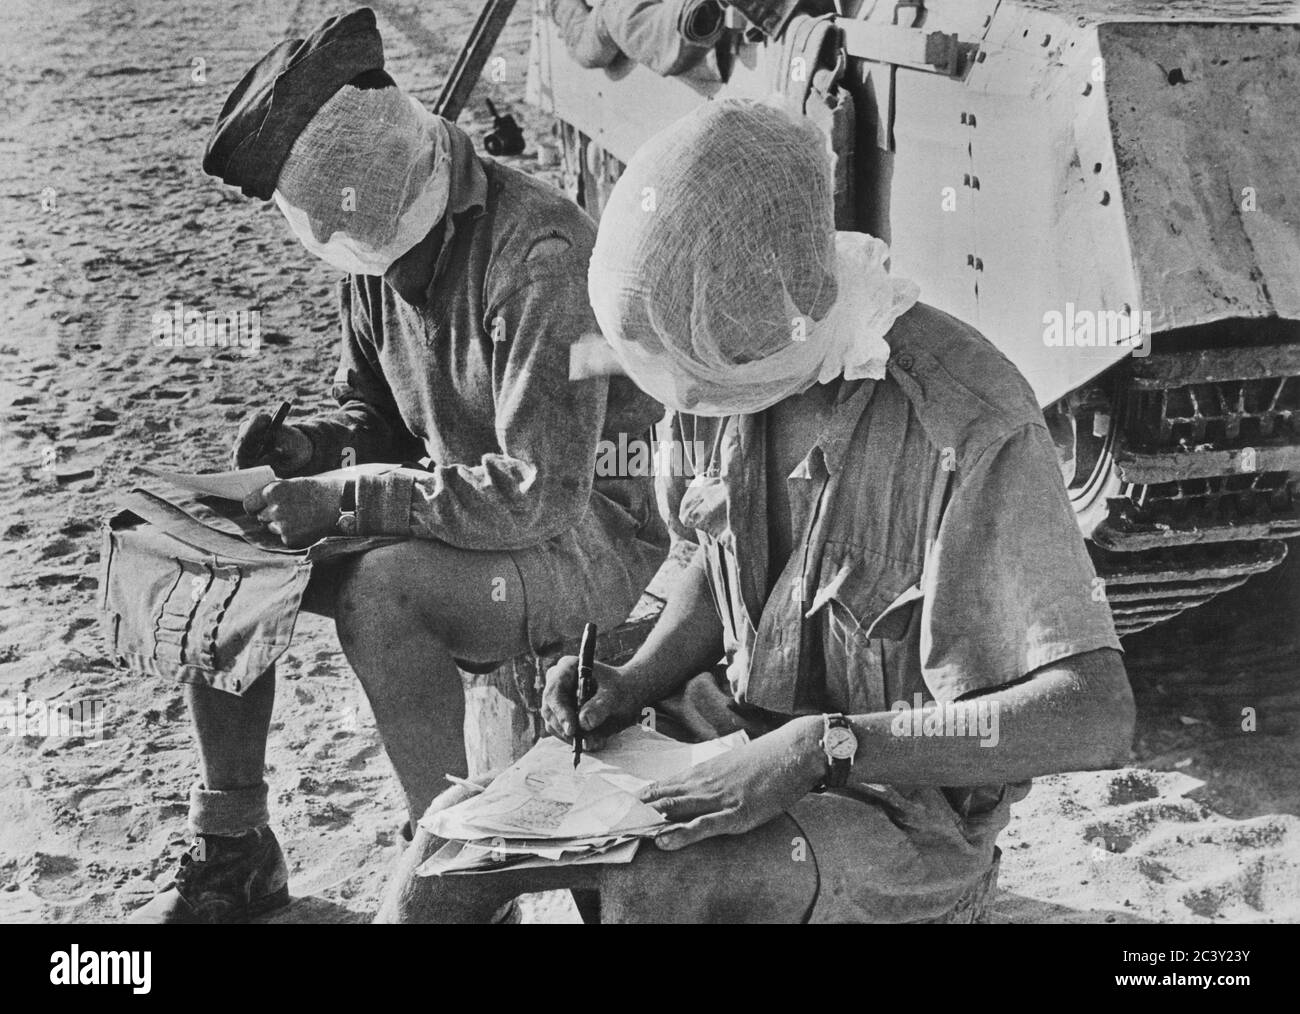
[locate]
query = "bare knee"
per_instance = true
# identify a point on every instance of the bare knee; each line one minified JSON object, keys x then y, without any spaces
{"x":374,"y":599}
{"x":755,"y":877}
{"x":472,"y":603}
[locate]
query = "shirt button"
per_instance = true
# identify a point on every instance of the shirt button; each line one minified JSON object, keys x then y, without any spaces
{"x":905,"y":362}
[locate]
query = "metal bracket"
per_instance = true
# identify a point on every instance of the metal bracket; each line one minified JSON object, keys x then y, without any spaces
{"x":917,"y":8}
{"x":772,"y":16}
{"x":941,"y":52}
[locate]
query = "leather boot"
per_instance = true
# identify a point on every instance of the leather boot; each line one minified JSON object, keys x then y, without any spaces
{"x":223,"y":880}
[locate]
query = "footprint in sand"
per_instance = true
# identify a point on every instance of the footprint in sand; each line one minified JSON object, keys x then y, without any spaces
{"x":54,"y":878}
{"x":60,"y":546}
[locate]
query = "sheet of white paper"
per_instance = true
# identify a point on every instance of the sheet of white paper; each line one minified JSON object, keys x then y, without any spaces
{"x":622,"y":853}
{"x":541,"y":796}
{"x":230,"y":485}
{"x":651,"y":756}
{"x":456,"y":856}
{"x":546,"y":848}
{"x":460,"y":858}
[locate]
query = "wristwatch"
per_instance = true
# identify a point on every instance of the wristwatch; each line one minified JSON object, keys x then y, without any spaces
{"x":839,"y":744}
{"x":347,"y":522}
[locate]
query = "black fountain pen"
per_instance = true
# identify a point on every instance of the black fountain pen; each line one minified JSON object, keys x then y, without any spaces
{"x":267,"y":444}
{"x":586,"y":684}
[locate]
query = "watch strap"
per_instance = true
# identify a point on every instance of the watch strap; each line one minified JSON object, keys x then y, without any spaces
{"x":838,"y":768}
{"x":347,"y":523}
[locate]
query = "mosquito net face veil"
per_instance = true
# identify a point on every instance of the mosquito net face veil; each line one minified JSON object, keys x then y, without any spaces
{"x":367,"y":179}
{"x":718,"y":277}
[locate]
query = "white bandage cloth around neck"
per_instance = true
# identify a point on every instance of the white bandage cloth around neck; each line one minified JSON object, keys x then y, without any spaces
{"x":718,"y":277}
{"x":368,"y":178}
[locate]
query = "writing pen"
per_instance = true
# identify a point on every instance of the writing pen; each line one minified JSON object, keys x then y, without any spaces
{"x":464,"y":783}
{"x":268,"y":438}
{"x":586,"y":683}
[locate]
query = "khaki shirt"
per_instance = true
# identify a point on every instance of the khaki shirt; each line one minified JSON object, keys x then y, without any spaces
{"x":935,"y":550}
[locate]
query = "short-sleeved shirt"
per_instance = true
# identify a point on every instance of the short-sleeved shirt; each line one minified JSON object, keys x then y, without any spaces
{"x":935,"y":551}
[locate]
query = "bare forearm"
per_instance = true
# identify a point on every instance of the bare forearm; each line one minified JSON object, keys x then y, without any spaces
{"x":686,"y":640}
{"x":1076,"y":715}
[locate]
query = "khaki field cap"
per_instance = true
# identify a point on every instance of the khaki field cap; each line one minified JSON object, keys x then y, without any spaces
{"x":281,"y":93}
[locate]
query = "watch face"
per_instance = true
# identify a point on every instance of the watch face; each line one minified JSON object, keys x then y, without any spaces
{"x":841,"y":744}
{"x":347,"y":524}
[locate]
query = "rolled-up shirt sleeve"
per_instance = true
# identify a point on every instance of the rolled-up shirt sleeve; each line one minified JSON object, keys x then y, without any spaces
{"x":1009,"y":587}
{"x":547,"y":428}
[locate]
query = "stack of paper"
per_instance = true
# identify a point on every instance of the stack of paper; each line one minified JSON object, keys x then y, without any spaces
{"x":542,"y":811}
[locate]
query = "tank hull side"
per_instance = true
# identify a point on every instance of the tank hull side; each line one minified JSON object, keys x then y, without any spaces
{"x":1004,"y":199}
{"x":1000,"y":257}
{"x":1203,"y":120}
{"x":1062,"y":182}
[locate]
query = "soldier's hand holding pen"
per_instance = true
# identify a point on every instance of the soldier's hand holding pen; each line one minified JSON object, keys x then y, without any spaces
{"x":615,"y":706}
{"x":288,"y":450}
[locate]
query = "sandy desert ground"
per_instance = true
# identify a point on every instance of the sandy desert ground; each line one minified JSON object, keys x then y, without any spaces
{"x":107,"y":218}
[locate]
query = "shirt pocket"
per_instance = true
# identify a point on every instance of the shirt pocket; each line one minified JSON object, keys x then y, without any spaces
{"x":862,"y":598}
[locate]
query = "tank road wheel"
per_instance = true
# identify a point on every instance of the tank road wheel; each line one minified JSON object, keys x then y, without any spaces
{"x":1182,"y":470}
{"x":1190,"y":615}
{"x":1168,"y":545}
{"x":1084,"y":427}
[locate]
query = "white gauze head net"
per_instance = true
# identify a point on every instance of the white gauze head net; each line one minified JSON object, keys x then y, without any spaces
{"x":367,"y":179}
{"x":718,"y":277}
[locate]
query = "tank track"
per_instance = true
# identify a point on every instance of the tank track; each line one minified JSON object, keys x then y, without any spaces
{"x":1209,"y":454}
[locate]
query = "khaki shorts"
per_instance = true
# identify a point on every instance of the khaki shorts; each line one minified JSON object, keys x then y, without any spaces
{"x":884,"y":854}
{"x":593,"y":573}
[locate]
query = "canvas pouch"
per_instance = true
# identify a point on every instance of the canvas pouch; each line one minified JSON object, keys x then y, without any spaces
{"x":202,"y":596}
